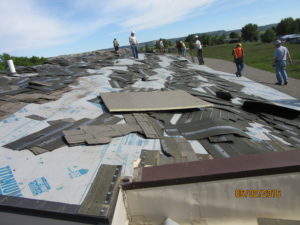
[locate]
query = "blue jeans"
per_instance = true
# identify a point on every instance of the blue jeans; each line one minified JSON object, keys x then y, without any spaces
{"x":239,"y":66}
{"x":200,"y":57}
{"x":281,"y":71}
{"x":135,"y":51}
{"x":184,"y":52}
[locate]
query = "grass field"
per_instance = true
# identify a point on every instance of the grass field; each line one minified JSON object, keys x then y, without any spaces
{"x":258,"y":55}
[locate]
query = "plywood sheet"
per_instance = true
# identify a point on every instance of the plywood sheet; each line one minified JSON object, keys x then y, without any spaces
{"x":151,"y":101}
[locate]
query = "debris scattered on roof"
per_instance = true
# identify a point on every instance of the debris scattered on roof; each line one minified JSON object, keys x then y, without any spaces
{"x":101,"y":134}
{"x":36,"y":117}
{"x":84,"y":114}
{"x":52,"y":137}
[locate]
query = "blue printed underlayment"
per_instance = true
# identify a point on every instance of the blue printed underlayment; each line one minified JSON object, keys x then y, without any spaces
{"x":77,"y":173}
{"x":39,"y":186}
{"x":8,"y":184}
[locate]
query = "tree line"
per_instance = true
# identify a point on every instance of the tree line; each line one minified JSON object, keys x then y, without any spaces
{"x":286,"y":26}
{"x":207,"y":39}
{"x":251,"y":33}
{"x":20,"y":61}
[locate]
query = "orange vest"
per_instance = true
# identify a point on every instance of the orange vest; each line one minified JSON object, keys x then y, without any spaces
{"x":238,"y":53}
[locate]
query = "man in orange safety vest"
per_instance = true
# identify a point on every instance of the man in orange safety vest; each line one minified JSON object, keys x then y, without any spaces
{"x":238,"y":55}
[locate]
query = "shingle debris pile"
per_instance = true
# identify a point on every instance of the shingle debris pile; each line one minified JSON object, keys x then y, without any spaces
{"x":43,"y":83}
{"x":221,"y":128}
{"x":211,"y":117}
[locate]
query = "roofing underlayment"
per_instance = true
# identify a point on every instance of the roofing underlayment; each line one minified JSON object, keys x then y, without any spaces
{"x":63,"y":137}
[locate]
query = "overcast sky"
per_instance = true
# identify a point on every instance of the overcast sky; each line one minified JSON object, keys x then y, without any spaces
{"x":56,"y":27}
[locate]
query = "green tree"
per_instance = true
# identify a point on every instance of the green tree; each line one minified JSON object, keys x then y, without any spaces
{"x":190,"y":38}
{"x":268,"y":36}
{"x":214,"y":40}
{"x":4,"y":57}
{"x":20,"y":61}
{"x":221,"y":39}
{"x":286,"y":26}
{"x":206,"y":39}
{"x":297,"y":21}
{"x":147,"y":47}
{"x":167,"y":43}
{"x":250,"y":32}
{"x":3,"y":60}
{"x":234,"y":35}
{"x":34,"y":59}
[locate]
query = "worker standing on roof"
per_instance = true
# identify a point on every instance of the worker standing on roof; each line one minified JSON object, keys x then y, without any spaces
{"x":116,"y":44}
{"x":238,"y":55}
{"x":199,"y":50}
{"x":161,"y":46}
{"x":191,"y":47}
{"x":183,"y":48}
{"x":134,"y":45}
{"x":281,"y":54}
{"x":179,"y":47}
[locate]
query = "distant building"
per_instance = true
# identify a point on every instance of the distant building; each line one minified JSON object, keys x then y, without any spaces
{"x":291,"y":38}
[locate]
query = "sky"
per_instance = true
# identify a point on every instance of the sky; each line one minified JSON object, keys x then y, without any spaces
{"x":57,"y":27}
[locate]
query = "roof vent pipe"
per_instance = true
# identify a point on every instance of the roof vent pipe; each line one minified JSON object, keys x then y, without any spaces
{"x":11,"y":66}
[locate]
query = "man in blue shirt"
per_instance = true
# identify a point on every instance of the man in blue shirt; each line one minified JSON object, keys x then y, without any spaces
{"x":281,"y":54}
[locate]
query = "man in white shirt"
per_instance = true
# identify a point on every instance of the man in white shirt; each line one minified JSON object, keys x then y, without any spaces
{"x":281,"y":54}
{"x":116,"y":44}
{"x":134,"y":45}
{"x":161,"y":46}
{"x":199,"y":50}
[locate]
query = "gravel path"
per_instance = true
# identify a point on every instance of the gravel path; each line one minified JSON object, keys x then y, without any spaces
{"x":260,"y":76}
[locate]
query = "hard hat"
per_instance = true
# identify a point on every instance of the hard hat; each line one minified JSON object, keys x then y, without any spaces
{"x":277,"y":42}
